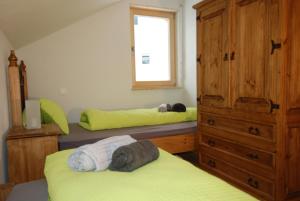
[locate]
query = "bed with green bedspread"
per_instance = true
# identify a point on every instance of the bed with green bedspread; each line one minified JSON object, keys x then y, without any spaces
{"x":95,"y":119}
{"x":167,"y":179}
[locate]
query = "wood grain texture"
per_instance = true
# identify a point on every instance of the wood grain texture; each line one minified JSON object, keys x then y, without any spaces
{"x":176,"y":144}
{"x":294,"y":59}
{"x":27,"y":153}
{"x":5,"y":189}
{"x":171,"y":16}
{"x":250,"y":138}
{"x":250,"y":182}
{"x":248,"y":153}
{"x":255,"y":71}
{"x":213,"y":55}
{"x":23,"y":84}
{"x":14,"y":90}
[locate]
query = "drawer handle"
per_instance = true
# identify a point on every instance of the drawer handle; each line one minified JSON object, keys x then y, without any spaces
{"x":253,"y":131}
{"x":211,"y":143}
{"x":211,"y":122}
{"x":252,"y":156}
{"x":211,"y":163}
{"x":253,"y":183}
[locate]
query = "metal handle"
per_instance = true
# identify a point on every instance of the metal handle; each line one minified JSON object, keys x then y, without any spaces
{"x":199,"y":59}
{"x":253,"y":131}
{"x":275,"y":46}
{"x":232,"y":56}
{"x":225,"y":57}
{"x":253,"y":183}
{"x":211,"y":143}
{"x":211,"y":122}
{"x":211,"y":163}
{"x":252,"y":156}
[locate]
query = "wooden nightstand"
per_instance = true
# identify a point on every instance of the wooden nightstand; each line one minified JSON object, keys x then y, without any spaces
{"x":27,"y":150}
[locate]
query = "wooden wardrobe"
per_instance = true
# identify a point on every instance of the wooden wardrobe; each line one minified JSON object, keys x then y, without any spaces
{"x":248,"y":77}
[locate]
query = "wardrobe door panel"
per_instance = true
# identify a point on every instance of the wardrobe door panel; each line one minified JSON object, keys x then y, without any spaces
{"x":294,"y":55}
{"x":256,"y":68}
{"x":213,"y":56}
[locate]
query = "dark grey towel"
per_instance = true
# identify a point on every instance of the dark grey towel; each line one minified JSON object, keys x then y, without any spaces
{"x":178,"y":107}
{"x":130,"y":157}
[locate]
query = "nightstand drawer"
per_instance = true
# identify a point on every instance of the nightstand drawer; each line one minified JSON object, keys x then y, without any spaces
{"x":248,"y":181}
{"x":264,"y":132}
{"x":251,"y":154}
{"x":26,"y":157}
{"x":27,"y":150}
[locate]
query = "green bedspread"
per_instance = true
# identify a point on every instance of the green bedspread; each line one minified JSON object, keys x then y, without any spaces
{"x":94,"y":119}
{"x":167,"y":179}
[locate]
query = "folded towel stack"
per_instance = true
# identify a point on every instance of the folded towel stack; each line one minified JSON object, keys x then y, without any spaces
{"x":177,"y":107}
{"x":130,"y":157}
{"x":97,"y":156}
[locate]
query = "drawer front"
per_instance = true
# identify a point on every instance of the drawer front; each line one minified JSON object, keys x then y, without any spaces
{"x":264,"y":132}
{"x":250,"y":154}
{"x":251,"y":182}
{"x":26,"y":157}
{"x":176,"y":144}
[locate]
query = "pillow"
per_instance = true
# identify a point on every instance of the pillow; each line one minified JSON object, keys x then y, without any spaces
{"x":53,"y":113}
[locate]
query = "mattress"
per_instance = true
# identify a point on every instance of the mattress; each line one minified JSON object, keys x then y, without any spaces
{"x":79,"y":136}
{"x":168,"y":178}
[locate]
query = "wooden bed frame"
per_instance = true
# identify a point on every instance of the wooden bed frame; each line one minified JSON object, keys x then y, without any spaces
{"x":18,"y":88}
{"x":19,"y":94}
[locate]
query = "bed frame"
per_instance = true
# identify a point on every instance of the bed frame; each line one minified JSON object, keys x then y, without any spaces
{"x":184,"y":142}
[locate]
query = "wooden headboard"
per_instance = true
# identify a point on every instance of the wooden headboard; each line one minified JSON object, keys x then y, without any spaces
{"x":18,"y":88}
{"x":23,"y":84}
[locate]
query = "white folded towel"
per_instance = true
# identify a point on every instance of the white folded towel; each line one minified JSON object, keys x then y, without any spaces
{"x":97,"y":156}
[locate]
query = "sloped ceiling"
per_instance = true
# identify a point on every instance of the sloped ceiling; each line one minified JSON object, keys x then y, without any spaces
{"x":25,"y":21}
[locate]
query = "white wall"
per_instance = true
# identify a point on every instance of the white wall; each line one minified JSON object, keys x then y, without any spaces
{"x":5,"y":48}
{"x":189,"y":41}
{"x":88,"y":63}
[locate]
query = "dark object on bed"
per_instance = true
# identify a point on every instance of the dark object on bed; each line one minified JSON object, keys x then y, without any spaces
{"x":79,"y":136}
{"x":178,"y":107}
{"x":31,"y":191}
{"x":165,"y":108}
{"x":133,"y":156}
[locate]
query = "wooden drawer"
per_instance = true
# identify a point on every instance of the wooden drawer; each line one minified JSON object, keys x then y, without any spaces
{"x":26,"y":157}
{"x":254,"y":155}
{"x":264,"y":132}
{"x":248,"y":181}
{"x":176,"y":144}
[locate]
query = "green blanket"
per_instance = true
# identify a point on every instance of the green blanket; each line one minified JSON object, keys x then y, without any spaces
{"x":93,"y":119}
{"x":169,"y":178}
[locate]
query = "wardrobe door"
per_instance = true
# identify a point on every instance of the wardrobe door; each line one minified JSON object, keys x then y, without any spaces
{"x":293,"y":96}
{"x":213,"y":56}
{"x":256,"y":42}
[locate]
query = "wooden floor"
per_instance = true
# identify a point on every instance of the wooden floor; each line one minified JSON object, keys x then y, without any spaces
{"x":5,"y":189}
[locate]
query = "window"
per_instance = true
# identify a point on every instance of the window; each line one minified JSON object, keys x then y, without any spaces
{"x":153,"y":48}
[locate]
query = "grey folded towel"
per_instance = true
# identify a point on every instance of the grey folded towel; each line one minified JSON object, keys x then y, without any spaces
{"x":130,"y":157}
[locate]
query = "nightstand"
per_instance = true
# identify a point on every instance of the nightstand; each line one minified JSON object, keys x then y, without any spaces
{"x":27,"y":150}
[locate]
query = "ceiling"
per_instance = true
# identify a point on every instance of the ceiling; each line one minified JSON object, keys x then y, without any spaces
{"x":25,"y":21}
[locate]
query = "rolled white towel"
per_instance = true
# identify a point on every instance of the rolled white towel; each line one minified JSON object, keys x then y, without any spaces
{"x":97,"y":156}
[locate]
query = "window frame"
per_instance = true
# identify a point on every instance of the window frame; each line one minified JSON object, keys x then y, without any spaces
{"x":171,"y":15}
